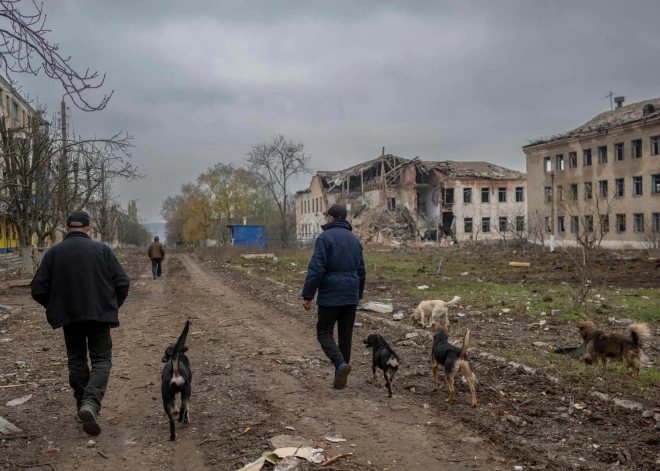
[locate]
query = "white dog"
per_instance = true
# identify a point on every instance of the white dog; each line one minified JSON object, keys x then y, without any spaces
{"x":430,"y":312}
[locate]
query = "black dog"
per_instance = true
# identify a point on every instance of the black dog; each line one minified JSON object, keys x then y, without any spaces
{"x":176,"y":378}
{"x":384,"y":358}
{"x":452,"y":359}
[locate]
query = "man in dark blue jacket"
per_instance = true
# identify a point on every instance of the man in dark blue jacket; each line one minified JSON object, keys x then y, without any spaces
{"x":82,"y":285}
{"x":337,"y":271}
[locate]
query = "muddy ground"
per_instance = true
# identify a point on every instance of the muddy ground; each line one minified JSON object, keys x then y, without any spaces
{"x":258,"y":372}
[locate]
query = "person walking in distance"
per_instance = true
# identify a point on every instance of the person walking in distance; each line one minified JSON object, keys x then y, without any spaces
{"x":156,"y":253}
{"x":82,"y":285}
{"x":337,"y":272}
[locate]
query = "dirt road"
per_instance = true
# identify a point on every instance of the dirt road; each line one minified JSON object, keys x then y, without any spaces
{"x":256,"y":370}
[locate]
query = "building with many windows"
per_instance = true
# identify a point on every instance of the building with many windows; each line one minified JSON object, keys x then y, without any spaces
{"x":602,"y":176}
{"x":393,"y":199}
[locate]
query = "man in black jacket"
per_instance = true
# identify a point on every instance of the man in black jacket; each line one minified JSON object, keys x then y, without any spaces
{"x":82,"y":285}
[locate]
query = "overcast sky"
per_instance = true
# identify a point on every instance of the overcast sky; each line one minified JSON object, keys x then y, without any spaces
{"x":199,"y":82}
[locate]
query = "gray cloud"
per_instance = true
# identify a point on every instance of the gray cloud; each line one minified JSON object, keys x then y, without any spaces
{"x":200,"y":82}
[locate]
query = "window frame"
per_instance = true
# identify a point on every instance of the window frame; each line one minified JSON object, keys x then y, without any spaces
{"x":572,"y":160}
{"x":619,"y":156}
{"x":486,"y":192}
{"x":561,"y":224}
{"x":602,"y":155}
{"x":655,"y":184}
{"x":618,"y":194}
{"x":603,"y":184}
{"x":522,"y":194}
{"x":638,"y":180}
{"x":575,"y":224}
{"x":634,"y":147}
{"x":559,"y":162}
{"x":500,"y":193}
{"x":620,"y":223}
{"x":485,"y":221}
{"x":573,"y":192}
{"x":638,"y":217}
{"x":588,"y":194}
{"x":585,"y":153}
{"x":465,"y":226}
{"x":467,"y":195}
{"x":547,"y":194}
{"x":500,"y":220}
{"x":520,"y":219}
{"x":547,"y":164}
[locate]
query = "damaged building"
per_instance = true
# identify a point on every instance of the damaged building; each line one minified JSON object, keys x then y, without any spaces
{"x":393,"y":200}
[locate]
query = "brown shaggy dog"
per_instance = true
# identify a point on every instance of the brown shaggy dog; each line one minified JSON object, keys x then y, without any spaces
{"x":624,"y":348}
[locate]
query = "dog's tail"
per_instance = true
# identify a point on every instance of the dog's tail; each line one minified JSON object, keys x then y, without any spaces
{"x":394,"y":360}
{"x":180,"y":343}
{"x":638,"y":332}
{"x":466,"y":344}
{"x":454,"y":301}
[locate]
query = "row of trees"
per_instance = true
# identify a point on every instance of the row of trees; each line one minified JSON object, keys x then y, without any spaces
{"x":258,"y":193}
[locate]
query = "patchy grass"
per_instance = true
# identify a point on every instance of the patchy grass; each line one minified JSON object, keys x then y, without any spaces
{"x":482,"y":279}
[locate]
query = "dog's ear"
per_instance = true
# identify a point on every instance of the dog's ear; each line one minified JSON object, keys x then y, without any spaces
{"x":435,"y":327}
{"x":447,"y":327}
{"x":168,"y":353}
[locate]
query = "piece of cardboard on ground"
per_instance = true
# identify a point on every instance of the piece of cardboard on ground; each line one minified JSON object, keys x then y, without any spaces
{"x":7,"y":428}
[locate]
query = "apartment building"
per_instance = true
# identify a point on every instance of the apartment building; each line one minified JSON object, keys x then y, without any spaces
{"x":409,"y":199}
{"x":602,"y":176}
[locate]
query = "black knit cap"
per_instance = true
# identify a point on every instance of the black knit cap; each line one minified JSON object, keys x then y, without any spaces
{"x":77,"y":219}
{"x":337,"y":211}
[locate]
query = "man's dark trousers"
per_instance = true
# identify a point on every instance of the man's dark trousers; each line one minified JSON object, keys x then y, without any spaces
{"x":157,"y":266}
{"x":88,"y":387}
{"x":344,"y":317}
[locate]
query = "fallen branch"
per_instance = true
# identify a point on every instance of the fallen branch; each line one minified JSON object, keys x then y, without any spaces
{"x":332,"y":460}
{"x":36,"y":465}
{"x":103,"y":454}
{"x":227,"y":429}
{"x":12,"y":386}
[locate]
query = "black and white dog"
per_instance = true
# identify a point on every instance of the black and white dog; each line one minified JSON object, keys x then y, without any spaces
{"x":176,"y":378}
{"x":384,"y":358}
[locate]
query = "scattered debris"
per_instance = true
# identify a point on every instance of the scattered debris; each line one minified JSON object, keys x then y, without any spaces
{"x":255,"y":465}
{"x":383,"y":308}
{"x":286,"y":441}
{"x":541,"y":344}
{"x":398,"y":316}
{"x":465,"y":273}
{"x":313,"y":455}
{"x":257,"y":255}
{"x":519,"y":264}
{"x":91,"y":444}
{"x":19,"y":401}
{"x":423,"y":287}
{"x":412,"y":335}
{"x":7,"y":428}
{"x":335,"y":439}
{"x":460,"y":314}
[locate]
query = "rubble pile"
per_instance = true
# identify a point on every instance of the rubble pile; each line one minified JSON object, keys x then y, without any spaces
{"x":387,"y":227}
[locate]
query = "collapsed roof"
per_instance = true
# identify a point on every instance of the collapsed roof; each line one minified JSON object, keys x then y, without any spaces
{"x":628,"y":114}
{"x":391,"y":166}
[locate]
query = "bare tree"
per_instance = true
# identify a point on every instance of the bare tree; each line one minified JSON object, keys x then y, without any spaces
{"x":650,"y":238}
{"x":36,"y":176}
{"x":275,"y":164}
{"x":25,"y":49}
{"x":590,"y":222}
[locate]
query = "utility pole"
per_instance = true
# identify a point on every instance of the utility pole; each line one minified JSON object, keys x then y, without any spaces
{"x":610,"y":95}
{"x":552,"y":213}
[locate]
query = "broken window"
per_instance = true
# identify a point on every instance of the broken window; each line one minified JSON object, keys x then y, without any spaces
{"x":637,"y":149}
{"x":619,"y":187}
{"x":572,"y":160}
{"x":621,"y":223}
{"x":449,"y":196}
{"x":560,"y":193}
{"x":467,"y":224}
{"x":655,"y":145}
{"x":602,"y":155}
{"x":485,"y":195}
{"x":572,"y":194}
{"x":618,"y":152}
{"x":655,"y":184}
{"x":501,"y":193}
{"x":547,"y":224}
{"x":548,"y":194}
{"x":520,"y":194}
{"x":547,"y":164}
{"x":560,"y":224}
{"x":560,"y":162}
{"x":586,"y":154}
{"x":604,"y":224}
{"x":485,"y":224}
{"x":575,"y":223}
{"x":638,"y":222}
{"x":391,"y":204}
{"x":637,"y":186}
{"x":520,"y":223}
{"x":589,"y":223}
{"x":467,"y":195}
{"x":588,"y":190}
{"x":602,"y":186}
{"x":655,"y":222}
{"x":502,"y":224}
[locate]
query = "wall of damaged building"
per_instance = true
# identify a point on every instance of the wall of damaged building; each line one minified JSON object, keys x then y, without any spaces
{"x":475,"y":212}
{"x":310,"y":205}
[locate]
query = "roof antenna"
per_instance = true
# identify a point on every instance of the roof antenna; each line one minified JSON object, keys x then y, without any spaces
{"x":611,"y":94}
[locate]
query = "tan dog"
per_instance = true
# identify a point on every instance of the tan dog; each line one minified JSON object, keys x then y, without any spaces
{"x":432,"y":312}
